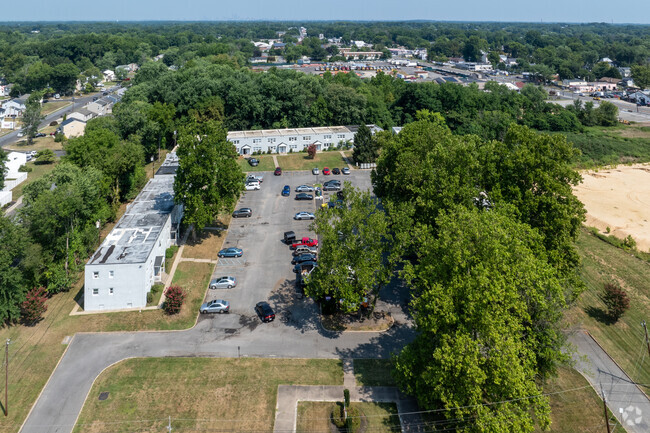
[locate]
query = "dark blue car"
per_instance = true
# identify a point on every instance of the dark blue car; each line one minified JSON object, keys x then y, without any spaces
{"x":286,"y":191}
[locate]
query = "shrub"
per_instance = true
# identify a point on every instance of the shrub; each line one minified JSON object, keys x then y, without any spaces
{"x":175,"y":295}
{"x":169,"y":252}
{"x":149,"y":298}
{"x":157,"y":288}
{"x":616,"y":301}
{"x":53,"y":123}
{"x":25,"y":168}
{"x":59,"y":137}
{"x":629,"y":243}
{"x":346,"y":397}
{"x":311,"y":151}
{"x":45,"y":156}
{"x":33,"y":307}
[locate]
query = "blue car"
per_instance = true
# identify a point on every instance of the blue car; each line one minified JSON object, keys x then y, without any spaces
{"x":231,"y":252}
{"x":286,"y":191}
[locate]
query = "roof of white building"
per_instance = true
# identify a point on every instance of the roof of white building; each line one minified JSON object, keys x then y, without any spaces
{"x":288,"y":131}
{"x":135,"y":234}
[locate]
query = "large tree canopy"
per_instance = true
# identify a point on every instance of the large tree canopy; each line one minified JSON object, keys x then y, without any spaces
{"x":486,"y":309}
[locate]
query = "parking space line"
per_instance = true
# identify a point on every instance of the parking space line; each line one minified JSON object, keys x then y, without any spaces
{"x":231,"y":261}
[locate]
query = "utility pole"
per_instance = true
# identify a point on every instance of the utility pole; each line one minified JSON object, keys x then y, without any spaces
{"x":7,"y":377}
{"x":647,"y":342}
{"x":605,"y":407}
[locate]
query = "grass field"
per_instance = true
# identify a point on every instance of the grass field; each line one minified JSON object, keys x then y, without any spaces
{"x":296,"y":161}
{"x":39,"y":143}
{"x":313,"y":416}
{"x":373,"y":372}
{"x":52,"y":106}
{"x":610,"y":146}
{"x":624,"y":341}
{"x":203,"y":392}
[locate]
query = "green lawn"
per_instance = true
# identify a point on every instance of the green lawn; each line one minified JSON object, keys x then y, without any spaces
{"x":313,"y":416}
{"x":296,"y":161}
{"x":51,"y":107}
{"x":373,"y":372}
{"x":609,"y":146}
{"x":198,"y":393}
{"x":623,"y":341}
{"x":266,"y":163}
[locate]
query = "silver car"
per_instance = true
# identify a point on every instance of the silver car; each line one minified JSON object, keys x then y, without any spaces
{"x":304,"y":188}
{"x":314,"y":171}
{"x":216,"y":306}
{"x":223,"y":283}
{"x":304,"y":216}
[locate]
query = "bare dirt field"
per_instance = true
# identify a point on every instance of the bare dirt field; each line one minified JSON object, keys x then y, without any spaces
{"x":618,"y":198}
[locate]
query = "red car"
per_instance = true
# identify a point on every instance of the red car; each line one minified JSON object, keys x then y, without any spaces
{"x":278,"y":171}
{"x":304,"y":241}
{"x":326,"y":171}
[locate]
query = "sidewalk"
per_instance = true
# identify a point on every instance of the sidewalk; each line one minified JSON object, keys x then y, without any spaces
{"x":626,"y":401}
{"x":286,"y":411}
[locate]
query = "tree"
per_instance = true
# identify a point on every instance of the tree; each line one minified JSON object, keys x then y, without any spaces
{"x":63,"y":78}
{"x":174,"y":297}
{"x":121,"y":74}
{"x":616,"y":301}
{"x":641,"y":76}
{"x":311,"y":151}
{"x":13,"y":281}
{"x":3,"y":167}
{"x":365,"y":146}
{"x":31,"y":119}
{"x":607,"y":114}
{"x":34,"y":306}
{"x":208,"y":179}
{"x":486,"y":309}
{"x":353,"y":257}
{"x":45,"y":156}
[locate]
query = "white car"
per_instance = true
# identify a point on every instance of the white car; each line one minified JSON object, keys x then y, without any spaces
{"x":252,"y":186}
{"x":314,"y":171}
{"x":304,"y":216}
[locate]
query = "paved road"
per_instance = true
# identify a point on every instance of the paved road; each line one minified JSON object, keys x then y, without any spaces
{"x":630,"y":406}
{"x":626,"y":110}
{"x":265,"y":275}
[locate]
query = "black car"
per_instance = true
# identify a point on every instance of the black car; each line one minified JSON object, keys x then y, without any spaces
{"x":336,"y":170}
{"x":304,"y":196}
{"x":264,"y":310}
{"x":244,"y":212}
{"x":303,"y":258}
{"x":39,"y":134}
{"x":305,"y":267}
{"x":253,"y":162}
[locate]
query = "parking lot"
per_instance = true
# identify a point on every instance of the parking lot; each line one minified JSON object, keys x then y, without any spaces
{"x":265,"y":273}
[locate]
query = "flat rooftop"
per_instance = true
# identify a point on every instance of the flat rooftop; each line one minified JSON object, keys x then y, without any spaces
{"x":135,"y":234}
{"x":288,"y":131}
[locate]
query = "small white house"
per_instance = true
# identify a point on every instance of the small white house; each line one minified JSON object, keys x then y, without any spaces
{"x":72,"y":127}
{"x":109,"y":75}
{"x":82,"y":114}
{"x":12,"y":176}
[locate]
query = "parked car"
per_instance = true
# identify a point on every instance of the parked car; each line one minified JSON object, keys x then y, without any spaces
{"x":304,"y":196}
{"x":286,"y":191}
{"x":244,"y":212}
{"x":265,"y":312}
{"x":304,"y":216}
{"x":231,"y":252}
{"x":278,"y":171}
{"x":345,"y":170}
{"x":223,"y":283}
{"x":304,"y":188}
{"x":303,"y":258}
{"x":304,"y":249}
{"x":304,"y":267}
{"x":336,"y":170}
{"x":304,"y":241}
{"x":332,"y":187}
{"x":253,"y":162}
{"x":326,"y":171}
{"x":289,"y":237}
{"x":314,"y":171}
{"x":255,"y":178}
{"x":216,"y":306}
{"x":252,"y":186}
{"x":20,"y":134}
{"x":40,"y":134}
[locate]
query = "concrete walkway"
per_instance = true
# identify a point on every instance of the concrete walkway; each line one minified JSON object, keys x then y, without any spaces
{"x":286,"y":411}
{"x":624,"y":398}
{"x":346,"y":159}
{"x":11,"y":209}
{"x":275,"y":161}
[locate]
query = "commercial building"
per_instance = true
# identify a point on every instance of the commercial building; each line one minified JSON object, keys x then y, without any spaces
{"x":132,"y":257}
{"x":293,"y":139}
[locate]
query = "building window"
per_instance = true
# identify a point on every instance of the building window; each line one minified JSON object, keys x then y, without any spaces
{"x":96,"y":275}
{"x":95,"y":292}
{"x":327,"y":137}
{"x":293,"y":138}
{"x":271,"y":140}
{"x":272,"y":148}
{"x":293,"y":146}
{"x":110,"y":291}
{"x":111,"y":274}
{"x":257,"y":140}
{"x":235,"y":142}
{"x":306,"y":138}
{"x":342,"y":136}
{"x":257,"y":149}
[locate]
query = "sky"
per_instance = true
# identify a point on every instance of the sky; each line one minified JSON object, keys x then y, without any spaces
{"x":580,"y":11}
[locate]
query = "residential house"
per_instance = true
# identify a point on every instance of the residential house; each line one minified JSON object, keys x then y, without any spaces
{"x":132,"y":257}
{"x":627,"y":82}
{"x":607,"y":60}
{"x":357,"y":55}
{"x":100,"y":107}
{"x":72,"y":127}
{"x":5,"y":89}
{"x":131,"y":67}
{"x":293,"y":139}
{"x":82,"y":114}
{"x":108,"y":75}
{"x":625,"y":72}
{"x":14,"y":107}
